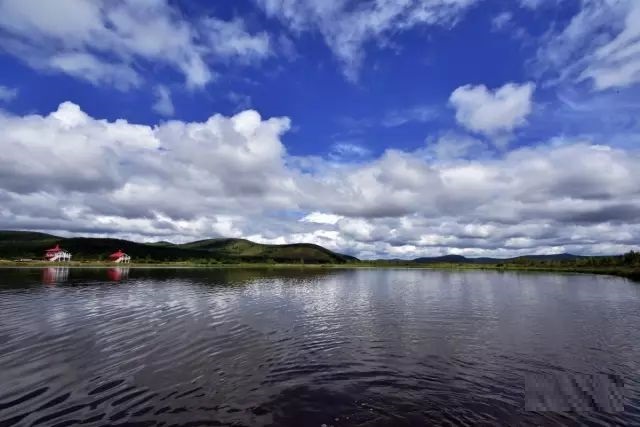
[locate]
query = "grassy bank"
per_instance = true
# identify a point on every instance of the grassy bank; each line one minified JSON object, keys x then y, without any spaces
{"x":630,"y":272}
{"x":176,"y":264}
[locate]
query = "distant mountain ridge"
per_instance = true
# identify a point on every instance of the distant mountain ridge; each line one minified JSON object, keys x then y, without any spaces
{"x":27,"y":244}
{"x":459,"y":259}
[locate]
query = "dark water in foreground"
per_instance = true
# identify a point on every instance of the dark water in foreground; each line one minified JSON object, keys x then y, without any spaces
{"x":307,"y":348}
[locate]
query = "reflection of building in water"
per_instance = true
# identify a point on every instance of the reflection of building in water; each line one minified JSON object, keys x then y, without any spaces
{"x":57,"y":254}
{"x":55,"y":275}
{"x":119,"y":273}
{"x":120,"y":257}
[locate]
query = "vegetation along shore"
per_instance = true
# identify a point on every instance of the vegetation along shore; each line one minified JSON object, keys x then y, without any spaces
{"x":21,"y":248}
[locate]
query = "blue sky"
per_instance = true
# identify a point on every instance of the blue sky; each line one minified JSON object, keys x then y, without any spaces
{"x":378,"y":128}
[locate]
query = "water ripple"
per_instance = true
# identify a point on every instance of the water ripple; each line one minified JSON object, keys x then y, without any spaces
{"x":305,"y":347}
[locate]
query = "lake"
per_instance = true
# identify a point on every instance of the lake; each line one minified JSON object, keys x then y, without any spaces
{"x":314,"y":347}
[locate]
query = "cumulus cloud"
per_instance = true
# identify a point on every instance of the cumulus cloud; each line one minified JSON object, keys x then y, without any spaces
{"x":600,"y":44}
{"x":72,"y":173}
{"x":452,"y":146}
{"x":163,"y":104}
{"x":107,"y":42}
{"x":347,"y":26}
{"x":7,"y":94}
{"x":68,"y":151}
{"x":493,"y":113}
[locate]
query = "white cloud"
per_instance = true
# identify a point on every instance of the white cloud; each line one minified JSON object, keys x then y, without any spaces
{"x":452,"y":146}
{"x":321,"y":218}
{"x":163,"y":104}
{"x":501,"y":20}
{"x":108,"y":42}
{"x":600,"y":44}
{"x":240,"y":101}
{"x":7,"y":94}
{"x":232,"y":176}
{"x":495,"y":113}
{"x":418,"y":113}
{"x":531,"y":4}
{"x":348,"y":151}
{"x":348,"y":26}
{"x":70,"y":151}
{"x":230,"y":39}
{"x":88,"y":67}
{"x":617,"y":63}
{"x":71,"y":21}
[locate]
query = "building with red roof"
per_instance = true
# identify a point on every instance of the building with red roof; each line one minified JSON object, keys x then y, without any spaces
{"x":120,"y":257}
{"x":57,"y":254}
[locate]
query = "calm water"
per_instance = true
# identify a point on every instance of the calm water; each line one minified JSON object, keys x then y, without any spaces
{"x":307,"y":348}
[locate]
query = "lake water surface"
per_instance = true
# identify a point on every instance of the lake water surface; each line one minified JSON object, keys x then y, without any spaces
{"x":311,"y":347}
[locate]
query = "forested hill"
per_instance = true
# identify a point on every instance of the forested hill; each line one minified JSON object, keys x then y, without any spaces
{"x":25,"y":244}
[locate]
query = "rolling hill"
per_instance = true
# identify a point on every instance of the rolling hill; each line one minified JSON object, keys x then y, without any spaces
{"x":24,"y":244}
{"x":251,"y":251}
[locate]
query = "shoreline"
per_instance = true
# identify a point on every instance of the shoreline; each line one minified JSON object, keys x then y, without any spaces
{"x":625,"y":272}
